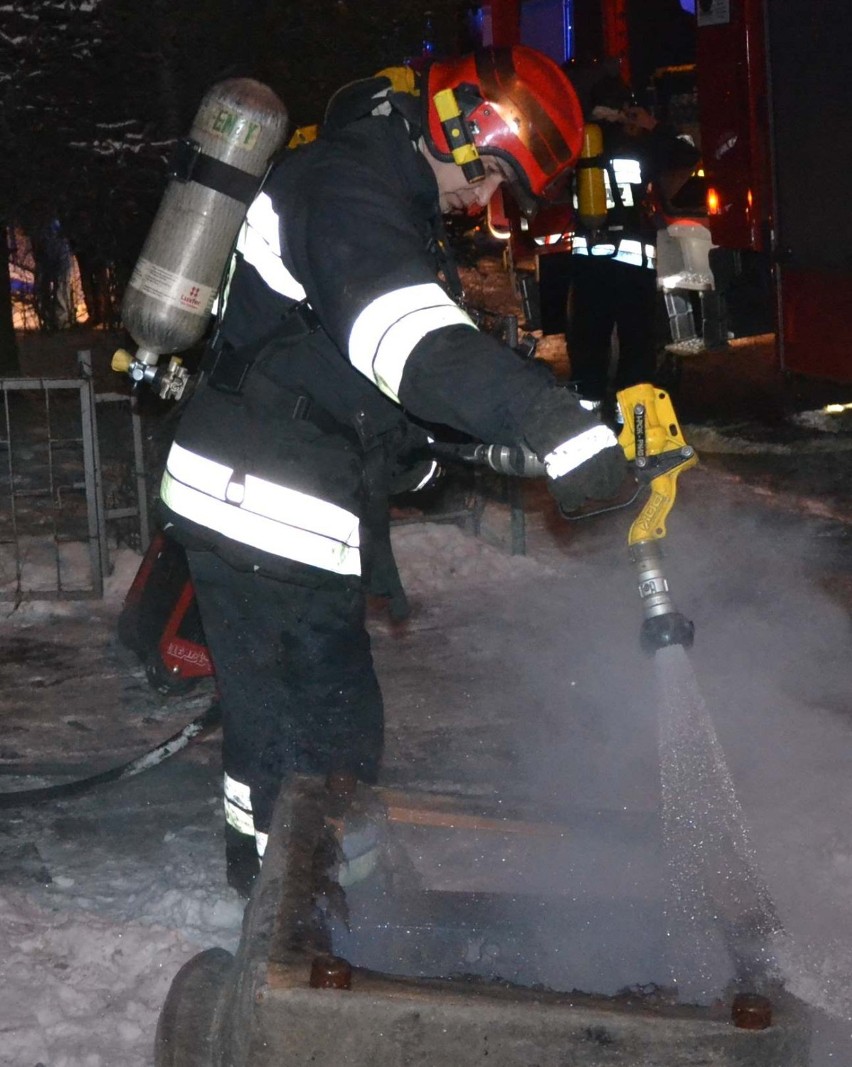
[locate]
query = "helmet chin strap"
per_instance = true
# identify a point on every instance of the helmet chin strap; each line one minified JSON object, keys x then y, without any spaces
{"x":527,"y":203}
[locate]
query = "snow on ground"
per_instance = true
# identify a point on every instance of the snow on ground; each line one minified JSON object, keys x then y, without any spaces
{"x":103,"y":897}
{"x":79,"y":990}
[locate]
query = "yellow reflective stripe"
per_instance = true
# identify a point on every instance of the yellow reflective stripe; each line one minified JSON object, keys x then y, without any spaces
{"x":259,"y":243}
{"x":263,"y":497}
{"x":299,"y":509}
{"x":241,"y":821}
{"x":205,"y":474}
{"x":238,"y":811}
{"x":273,"y":535}
{"x":388,"y":329}
{"x":236,"y":791}
{"x":578,"y":450}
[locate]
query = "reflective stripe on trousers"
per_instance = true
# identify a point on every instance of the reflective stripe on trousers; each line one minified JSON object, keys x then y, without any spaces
{"x":238,"y":812}
{"x":261,"y":514}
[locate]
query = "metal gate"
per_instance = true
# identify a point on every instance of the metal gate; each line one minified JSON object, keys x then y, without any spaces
{"x":53,"y":518}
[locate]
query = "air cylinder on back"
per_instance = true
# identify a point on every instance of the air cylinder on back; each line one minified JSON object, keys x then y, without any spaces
{"x":217,"y":171}
{"x":591,"y":190}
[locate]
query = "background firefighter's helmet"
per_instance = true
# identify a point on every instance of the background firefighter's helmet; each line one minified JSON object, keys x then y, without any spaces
{"x":518,"y":105}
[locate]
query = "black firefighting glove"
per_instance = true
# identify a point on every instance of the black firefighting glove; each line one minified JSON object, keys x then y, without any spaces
{"x":412,"y":464}
{"x":583,"y":459}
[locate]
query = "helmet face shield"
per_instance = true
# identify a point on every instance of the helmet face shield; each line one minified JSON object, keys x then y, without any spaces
{"x":518,"y":105}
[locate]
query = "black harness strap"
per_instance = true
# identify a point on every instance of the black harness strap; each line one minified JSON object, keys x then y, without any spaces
{"x":227,"y":367}
{"x":190,"y":164}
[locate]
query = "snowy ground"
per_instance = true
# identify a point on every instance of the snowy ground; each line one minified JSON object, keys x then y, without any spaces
{"x":517,"y":678}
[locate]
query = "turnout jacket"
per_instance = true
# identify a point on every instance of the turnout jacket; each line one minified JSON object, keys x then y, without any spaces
{"x":631,"y":164}
{"x":336,"y":328}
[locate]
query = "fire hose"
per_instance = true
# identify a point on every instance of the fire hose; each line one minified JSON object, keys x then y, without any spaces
{"x":204,"y":722}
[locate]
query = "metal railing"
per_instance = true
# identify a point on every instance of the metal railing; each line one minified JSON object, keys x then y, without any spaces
{"x":54,"y":481}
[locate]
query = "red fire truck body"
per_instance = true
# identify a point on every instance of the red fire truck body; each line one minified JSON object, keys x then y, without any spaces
{"x":773,"y":124}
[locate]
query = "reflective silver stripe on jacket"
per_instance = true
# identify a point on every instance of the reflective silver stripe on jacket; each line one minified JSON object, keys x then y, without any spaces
{"x":259,"y":513}
{"x":577,"y":450}
{"x":387,"y":330}
{"x":627,"y":251}
{"x":259,"y":243}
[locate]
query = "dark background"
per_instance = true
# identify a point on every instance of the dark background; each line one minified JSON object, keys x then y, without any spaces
{"x":93,"y":94}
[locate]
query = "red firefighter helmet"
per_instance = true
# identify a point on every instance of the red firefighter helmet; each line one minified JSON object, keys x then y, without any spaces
{"x":518,"y":105}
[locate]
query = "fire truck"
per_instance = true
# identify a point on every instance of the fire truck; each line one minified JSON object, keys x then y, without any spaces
{"x":759,"y":241}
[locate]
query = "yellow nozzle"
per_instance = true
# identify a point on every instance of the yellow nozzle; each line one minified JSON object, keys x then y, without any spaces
{"x":661,"y":435}
{"x":122,"y":361}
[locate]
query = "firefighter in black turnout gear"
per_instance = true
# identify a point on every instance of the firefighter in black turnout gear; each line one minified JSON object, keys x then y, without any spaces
{"x":612,"y":272}
{"x":342,"y":333}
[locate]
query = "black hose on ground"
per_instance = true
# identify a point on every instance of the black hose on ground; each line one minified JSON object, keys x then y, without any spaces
{"x":27,"y":797}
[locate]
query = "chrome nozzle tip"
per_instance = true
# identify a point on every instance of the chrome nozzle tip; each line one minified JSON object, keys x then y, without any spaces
{"x":660,"y":631}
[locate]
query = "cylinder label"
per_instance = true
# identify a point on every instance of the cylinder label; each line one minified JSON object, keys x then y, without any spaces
{"x":172,"y":289}
{"x":230,"y":125}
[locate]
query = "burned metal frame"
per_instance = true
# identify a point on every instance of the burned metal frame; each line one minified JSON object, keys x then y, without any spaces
{"x":283,"y":999}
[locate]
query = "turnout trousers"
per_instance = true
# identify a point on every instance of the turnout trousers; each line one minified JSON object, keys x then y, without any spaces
{"x":296,"y":685}
{"x":605,"y":294}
